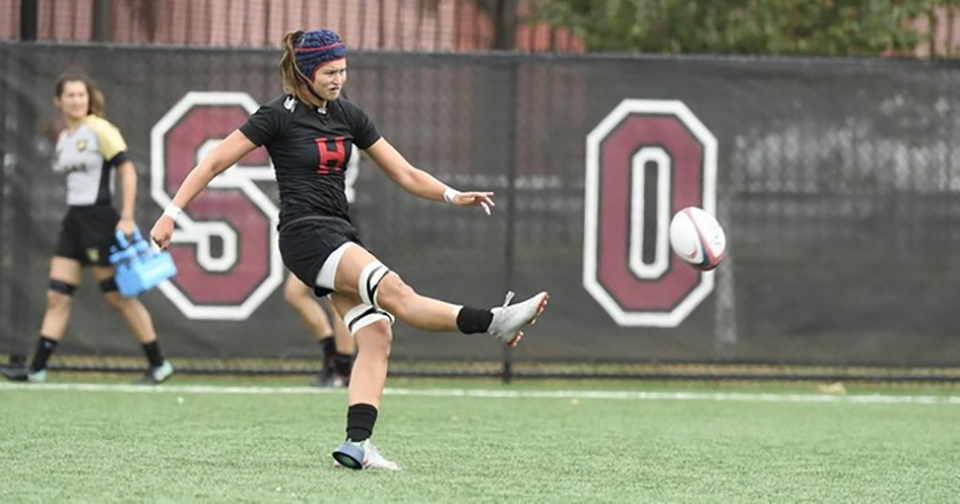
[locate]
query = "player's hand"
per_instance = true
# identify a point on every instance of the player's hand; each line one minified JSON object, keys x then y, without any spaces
{"x":126,"y":226}
{"x":162,"y":231}
{"x":474,"y":199}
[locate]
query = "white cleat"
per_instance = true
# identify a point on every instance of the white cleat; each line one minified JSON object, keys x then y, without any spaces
{"x":509,"y":320}
{"x":362,"y":455}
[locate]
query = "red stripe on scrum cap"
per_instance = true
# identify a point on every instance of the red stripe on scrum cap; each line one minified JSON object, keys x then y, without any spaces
{"x":321,"y":48}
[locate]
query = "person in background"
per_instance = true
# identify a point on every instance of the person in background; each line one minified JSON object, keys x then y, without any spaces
{"x":88,"y":151}
{"x":335,"y":339}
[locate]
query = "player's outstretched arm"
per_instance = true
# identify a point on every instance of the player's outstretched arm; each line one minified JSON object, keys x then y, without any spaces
{"x":420,"y":183}
{"x":226,"y":154}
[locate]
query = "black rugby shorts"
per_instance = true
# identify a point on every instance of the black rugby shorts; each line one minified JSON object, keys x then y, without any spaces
{"x":87,"y":234}
{"x":307,"y":242}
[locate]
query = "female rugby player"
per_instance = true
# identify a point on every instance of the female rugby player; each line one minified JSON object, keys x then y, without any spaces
{"x":310,"y":134}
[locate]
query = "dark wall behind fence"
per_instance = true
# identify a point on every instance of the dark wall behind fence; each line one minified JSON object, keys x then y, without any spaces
{"x":837,"y":184}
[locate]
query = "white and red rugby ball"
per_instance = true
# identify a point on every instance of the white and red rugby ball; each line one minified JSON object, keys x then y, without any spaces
{"x":697,"y":238}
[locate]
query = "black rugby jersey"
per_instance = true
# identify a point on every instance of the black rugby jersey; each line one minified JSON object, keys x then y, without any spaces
{"x":310,"y":150}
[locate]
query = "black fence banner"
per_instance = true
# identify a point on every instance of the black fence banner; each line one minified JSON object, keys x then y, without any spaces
{"x":836,"y":181}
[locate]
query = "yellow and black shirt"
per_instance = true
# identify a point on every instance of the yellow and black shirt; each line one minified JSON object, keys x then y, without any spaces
{"x":86,"y":155}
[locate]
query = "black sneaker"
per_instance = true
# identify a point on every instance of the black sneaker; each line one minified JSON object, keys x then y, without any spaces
{"x":23,"y":374}
{"x":329,"y":378}
{"x":155,"y":375}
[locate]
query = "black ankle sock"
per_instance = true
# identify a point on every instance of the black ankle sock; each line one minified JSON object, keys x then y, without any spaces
{"x":45,"y":348}
{"x":360,"y":420}
{"x":154,"y":355}
{"x":472,"y":320}
{"x":329,"y":347}
{"x":343,"y":364}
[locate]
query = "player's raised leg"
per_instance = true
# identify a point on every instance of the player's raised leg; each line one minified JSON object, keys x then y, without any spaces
{"x":360,"y":273}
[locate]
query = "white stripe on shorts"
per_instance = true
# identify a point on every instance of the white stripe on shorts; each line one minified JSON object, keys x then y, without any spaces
{"x":328,"y":273}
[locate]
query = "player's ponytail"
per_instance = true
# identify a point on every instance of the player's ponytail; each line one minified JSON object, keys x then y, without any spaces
{"x":288,"y":64}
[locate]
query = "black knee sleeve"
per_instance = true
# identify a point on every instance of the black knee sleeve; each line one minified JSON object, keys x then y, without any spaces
{"x":62,"y":287}
{"x":108,"y":285}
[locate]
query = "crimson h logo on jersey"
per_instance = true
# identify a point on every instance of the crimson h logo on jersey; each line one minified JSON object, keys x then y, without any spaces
{"x":640,"y":143}
{"x":333,"y":154}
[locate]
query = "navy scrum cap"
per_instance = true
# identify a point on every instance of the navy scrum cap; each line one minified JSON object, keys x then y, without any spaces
{"x":316,"y":48}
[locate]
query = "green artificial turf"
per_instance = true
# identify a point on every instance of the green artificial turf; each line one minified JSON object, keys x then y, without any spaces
{"x":184,"y":445}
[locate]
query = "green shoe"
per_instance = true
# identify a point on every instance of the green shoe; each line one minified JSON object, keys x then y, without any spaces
{"x":38,"y":377}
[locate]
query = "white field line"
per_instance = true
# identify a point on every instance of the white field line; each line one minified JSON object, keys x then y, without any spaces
{"x":498,"y":394}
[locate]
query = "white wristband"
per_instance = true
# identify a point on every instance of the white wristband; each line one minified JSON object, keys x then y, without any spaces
{"x":449,"y":194}
{"x":172,"y":211}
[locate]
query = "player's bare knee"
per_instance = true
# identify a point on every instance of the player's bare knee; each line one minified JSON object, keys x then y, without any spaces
{"x":394,"y":294}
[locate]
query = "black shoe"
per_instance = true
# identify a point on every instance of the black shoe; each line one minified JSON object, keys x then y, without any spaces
{"x":328,"y":378}
{"x":155,"y":375}
{"x":23,"y":374}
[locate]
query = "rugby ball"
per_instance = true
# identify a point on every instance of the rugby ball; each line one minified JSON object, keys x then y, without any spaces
{"x":697,"y":238}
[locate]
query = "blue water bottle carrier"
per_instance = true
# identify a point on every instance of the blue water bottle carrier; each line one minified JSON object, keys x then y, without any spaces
{"x":139,"y":266}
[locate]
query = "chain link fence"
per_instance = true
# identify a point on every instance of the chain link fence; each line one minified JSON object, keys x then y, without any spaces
{"x":835,"y":181}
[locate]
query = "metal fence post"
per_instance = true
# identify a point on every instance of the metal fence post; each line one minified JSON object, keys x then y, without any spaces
{"x":22,"y":142}
{"x":101,"y":20}
{"x":4,"y":111}
{"x":510,"y":247}
{"x":28,"y":19}
{"x":504,"y":23}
